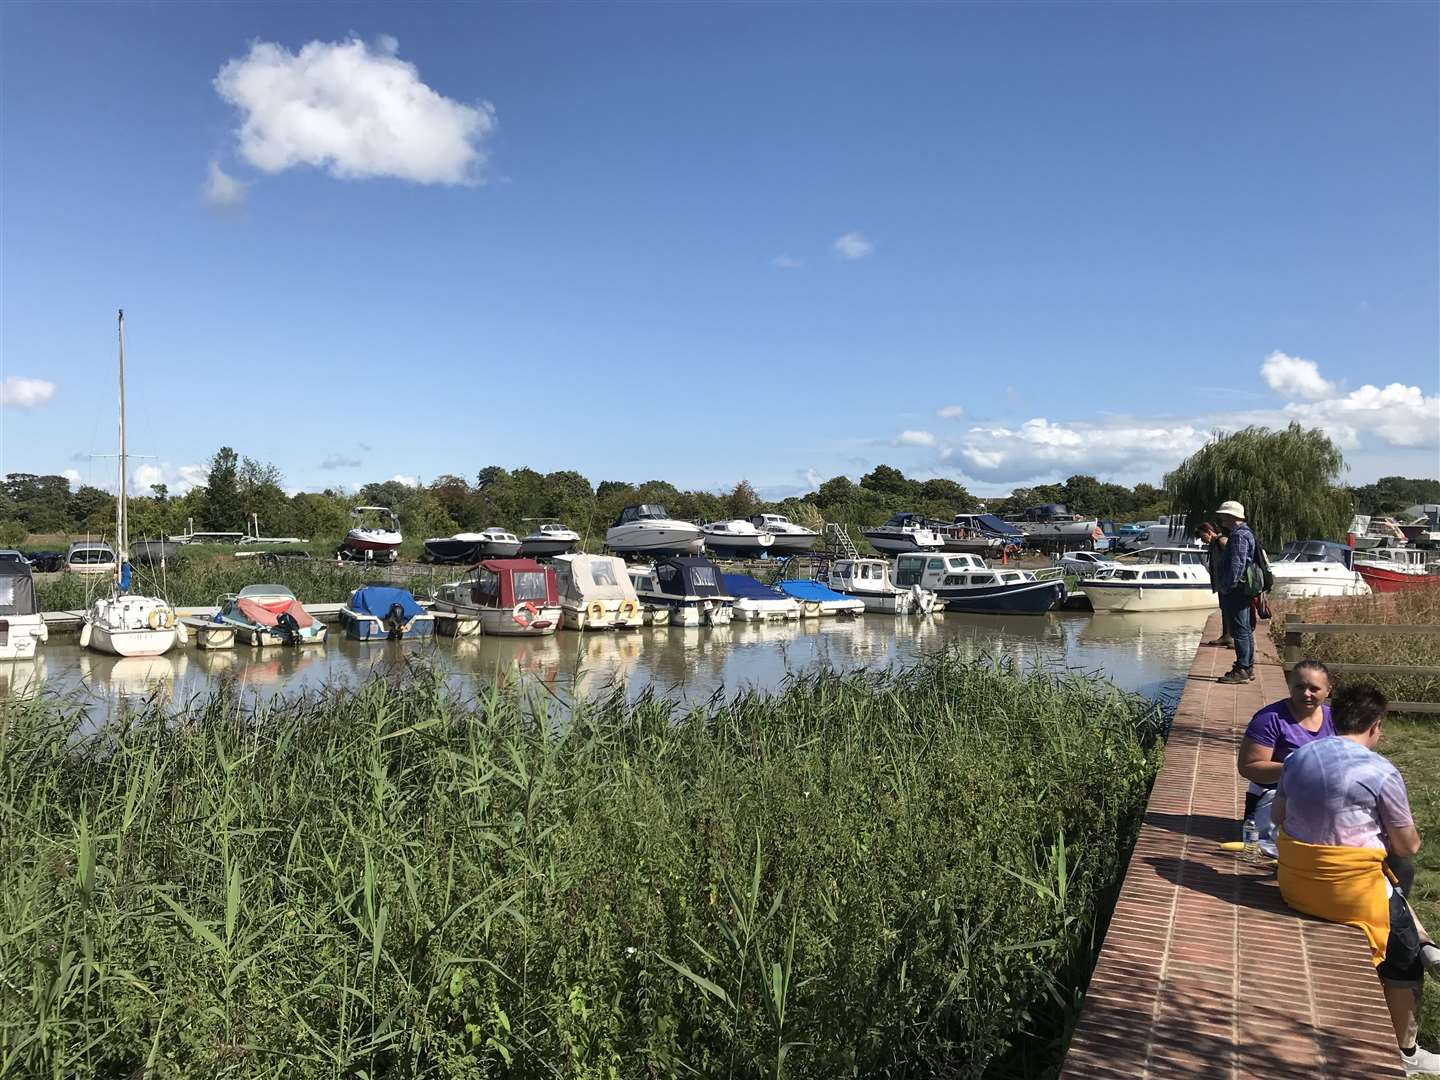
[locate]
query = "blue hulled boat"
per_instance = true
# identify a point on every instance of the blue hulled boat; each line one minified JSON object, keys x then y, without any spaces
{"x":385,"y":612}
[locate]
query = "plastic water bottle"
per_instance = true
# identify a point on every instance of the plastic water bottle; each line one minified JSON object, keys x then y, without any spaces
{"x":1250,"y":835}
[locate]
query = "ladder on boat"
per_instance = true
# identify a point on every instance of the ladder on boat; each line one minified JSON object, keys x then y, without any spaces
{"x":838,"y":540}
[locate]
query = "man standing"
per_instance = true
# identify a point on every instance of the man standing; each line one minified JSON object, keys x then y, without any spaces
{"x":1214,"y":543}
{"x":1234,"y":593}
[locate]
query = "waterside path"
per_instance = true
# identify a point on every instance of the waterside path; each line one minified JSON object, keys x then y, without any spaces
{"x":1204,"y":971}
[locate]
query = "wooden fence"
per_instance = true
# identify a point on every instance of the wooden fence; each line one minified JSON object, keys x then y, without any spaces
{"x":1295,"y":630}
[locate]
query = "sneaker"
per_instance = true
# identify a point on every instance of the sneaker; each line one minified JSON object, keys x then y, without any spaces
{"x":1430,"y":957}
{"x":1219,"y":643}
{"x":1236,"y":675}
{"x":1420,"y":1061}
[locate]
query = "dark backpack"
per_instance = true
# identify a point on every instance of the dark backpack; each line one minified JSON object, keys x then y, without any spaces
{"x":1258,"y":576}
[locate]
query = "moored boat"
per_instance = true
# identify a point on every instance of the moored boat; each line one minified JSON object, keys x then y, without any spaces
{"x":964,"y":583}
{"x":1395,"y":569}
{"x":1308,"y":568}
{"x":869,"y":580}
{"x":818,"y":599}
{"x":757,"y":602}
{"x":1160,"y":579}
{"x":266,"y":615}
{"x":596,"y":593}
{"x":374,"y":534}
{"x":21,"y":626}
{"x":509,"y":597}
{"x":383,"y":612}
{"x":690,"y":586}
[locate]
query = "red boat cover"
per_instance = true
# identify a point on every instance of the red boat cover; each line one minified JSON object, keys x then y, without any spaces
{"x":267,"y":612}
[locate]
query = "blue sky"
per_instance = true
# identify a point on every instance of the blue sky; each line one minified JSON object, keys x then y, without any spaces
{"x":1000,"y":243}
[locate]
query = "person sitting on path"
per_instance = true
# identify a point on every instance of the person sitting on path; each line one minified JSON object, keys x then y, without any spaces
{"x":1234,"y":591}
{"x":1276,"y":732}
{"x":1214,"y":541}
{"x":1345,"y":828}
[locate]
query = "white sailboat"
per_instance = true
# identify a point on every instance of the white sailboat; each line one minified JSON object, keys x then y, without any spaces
{"x":123,"y":624}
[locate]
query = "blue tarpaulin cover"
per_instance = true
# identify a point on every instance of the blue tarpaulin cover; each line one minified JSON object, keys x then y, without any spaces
{"x":811,"y":590}
{"x":376,"y":600}
{"x":745,"y":587}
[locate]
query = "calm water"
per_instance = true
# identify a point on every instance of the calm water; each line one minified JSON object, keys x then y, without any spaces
{"x":1148,"y":653}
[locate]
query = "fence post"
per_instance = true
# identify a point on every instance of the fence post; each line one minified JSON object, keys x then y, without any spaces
{"x":1292,"y":641}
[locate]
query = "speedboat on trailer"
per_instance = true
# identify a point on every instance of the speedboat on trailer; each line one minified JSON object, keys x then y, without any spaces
{"x":869,"y":580}
{"x":964,"y":583}
{"x":383,"y":612}
{"x":1317,"y":568}
{"x":646,"y":529}
{"x":374,"y":534}
{"x":511,"y":597}
{"x":21,"y":627}
{"x":758,"y":602}
{"x":269,"y":615}
{"x":818,"y":599}
{"x":690,"y":586}
{"x":790,"y":539}
{"x":736,"y":539}
{"x":1160,"y":579}
{"x":902,"y":533}
{"x":550,"y":539}
{"x":596,"y":593}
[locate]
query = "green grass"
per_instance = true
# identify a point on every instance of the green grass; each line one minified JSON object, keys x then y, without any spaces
{"x":891,"y":874}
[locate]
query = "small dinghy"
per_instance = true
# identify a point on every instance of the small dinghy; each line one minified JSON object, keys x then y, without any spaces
{"x":269,"y":615}
{"x":383,"y":612}
{"x":757,"y":602}
{"x":817,"y":599}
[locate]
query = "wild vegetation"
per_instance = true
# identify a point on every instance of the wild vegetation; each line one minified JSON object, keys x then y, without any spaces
{"x":864,"y":875}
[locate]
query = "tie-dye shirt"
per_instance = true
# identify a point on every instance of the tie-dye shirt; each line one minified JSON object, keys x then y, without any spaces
{"x":1339,"y":793}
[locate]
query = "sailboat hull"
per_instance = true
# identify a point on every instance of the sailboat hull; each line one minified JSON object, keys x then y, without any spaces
{"x":131,"y":642}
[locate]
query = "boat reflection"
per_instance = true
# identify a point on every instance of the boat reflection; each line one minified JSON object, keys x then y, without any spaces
{"x":22,"y":678}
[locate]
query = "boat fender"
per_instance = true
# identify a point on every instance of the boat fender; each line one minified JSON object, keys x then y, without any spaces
{"x":524,"y":614}
{"x":160,"y":619}
{"x":181,"y":634}
{"x":595,"y":611}
{"x":85,"y":636}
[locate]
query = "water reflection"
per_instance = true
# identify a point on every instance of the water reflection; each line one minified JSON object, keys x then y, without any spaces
{"x":1149,"y":653}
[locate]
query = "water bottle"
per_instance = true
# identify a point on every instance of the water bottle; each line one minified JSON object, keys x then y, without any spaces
{"x":1250,"y":835}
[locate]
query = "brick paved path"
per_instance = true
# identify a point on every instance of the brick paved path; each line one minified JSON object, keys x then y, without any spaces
{"x":1204,"y":971}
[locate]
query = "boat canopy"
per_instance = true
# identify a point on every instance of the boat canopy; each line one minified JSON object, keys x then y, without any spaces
{"x":17,"y":589}
{"x":989,"y":523}
{"x":745,"y":587}
{"x":689,"y":575}
{"x":1313,"y":551}
{"x":641,"y":512}
{"x":507,"y":582}
{"x":806,"y":589}
{"x":584,"y":578}
{"x":377,"y":600}
{"x":907,"y":520}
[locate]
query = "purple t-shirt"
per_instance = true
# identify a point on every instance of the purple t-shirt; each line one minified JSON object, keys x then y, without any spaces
{"x":1275,"y":726}
{"x":1338,"y":792}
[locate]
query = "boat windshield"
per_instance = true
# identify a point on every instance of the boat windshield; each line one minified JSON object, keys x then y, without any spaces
{"x":530,"y":585}
{"x":602,"y":573}
{"x":1312,"y":552}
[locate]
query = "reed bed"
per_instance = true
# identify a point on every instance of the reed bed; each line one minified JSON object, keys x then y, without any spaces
{"x":865,"y":874}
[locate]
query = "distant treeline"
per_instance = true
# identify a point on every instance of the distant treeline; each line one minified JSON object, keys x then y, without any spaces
{"x":237,"y":487}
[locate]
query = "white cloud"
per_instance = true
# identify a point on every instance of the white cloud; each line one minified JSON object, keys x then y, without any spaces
{"x":1294,"y":377}
{"x":354,"y":111}
{"x":915,"y":438}
{"x":146,"y":476}
{"x":787,"y":262}
{"x":408,"y":481}
{"x":19,"y":392}
{"x":177,"y":480}
{"x":222,"y":190}
{"x":812,"y":477}
{"x":950,"y":412}
{"x":852,"y":245}
{"x":1040,"y":448}
{"x":1397,"y":414}
{"x":340,"y":461}
{"x":73,"y":475}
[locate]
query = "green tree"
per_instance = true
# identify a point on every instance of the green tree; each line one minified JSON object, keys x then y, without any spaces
{"x":222,"y":507}
{"x":1288,"y":482}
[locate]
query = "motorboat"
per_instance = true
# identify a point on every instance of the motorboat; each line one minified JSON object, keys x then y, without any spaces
{"x":790,"y":539}
{"x":91,"y":557}
{"x":374,"y":535}
{"x":596,"y":593}
{"x":153,"y":552}
{"x":125,"y":623}
{"x":1084,"y":563}
{"x":965,"y":583}
{"x":1424,"y":530}
{"x":1308,"y":568}
{"x":736,"y":539}
{"x":642,"y":580}
{"x":550,"y":539}
{"x":1395,"y":569}
{"x":1158,"y":579}
{"x":980,"y":534}
{"x":902,"y":533}
{"x":383,"y":612}
{"x":690,"y":585}
{"x":646,"y":529}
{"x":21,"y":626}
{"x":266,"y":615}
{"x":817,"y":599}
{"x":463,"y":548}
{"x":869,"y":580}
{"x":498,"y":543}
{"x":757,"y":602}
{"x":510,"y":597}
{"x":1053,"y":521}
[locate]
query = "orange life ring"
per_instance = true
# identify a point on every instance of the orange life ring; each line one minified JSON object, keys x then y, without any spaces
{"x":518,"y":614}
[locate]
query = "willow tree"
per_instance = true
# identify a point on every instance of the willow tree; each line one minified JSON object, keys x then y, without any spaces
{"x":1288,"y":482}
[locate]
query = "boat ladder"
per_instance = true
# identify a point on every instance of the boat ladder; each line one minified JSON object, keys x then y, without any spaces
{"x":838,"y":537}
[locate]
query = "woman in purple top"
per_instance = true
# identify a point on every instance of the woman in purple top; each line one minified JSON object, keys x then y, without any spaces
{"x":1281,"y":728}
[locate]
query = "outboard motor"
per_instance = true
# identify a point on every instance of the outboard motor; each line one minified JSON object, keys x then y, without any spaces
{"x":289,"y":629}
{"x":394,"y":622}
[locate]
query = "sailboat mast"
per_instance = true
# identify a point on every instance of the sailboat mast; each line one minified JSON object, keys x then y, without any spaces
{"x":120,"y":508}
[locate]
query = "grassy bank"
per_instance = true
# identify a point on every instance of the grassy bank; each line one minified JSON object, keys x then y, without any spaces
{"x":863,"y":875}
{"x":1413,"y":744}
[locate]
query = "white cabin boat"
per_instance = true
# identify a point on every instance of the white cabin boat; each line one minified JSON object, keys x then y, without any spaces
{"x":596,"y":593}
{"x":691,"y":586}
{"x":642,"y":580}
{"x":736,"y":539}
{"x":790,"y":539}
{"x":757,"y":602}
{"x":869,"y":580}
{"x":904,"y":533}
{"x":646,"y":529}
{"x":21,"y":627}
{"x":964,"y":583}
{"x":509,"y":597}
{"x":1309,"y":568}
{"x":550,"y":539}
{"x":1157,"y":579}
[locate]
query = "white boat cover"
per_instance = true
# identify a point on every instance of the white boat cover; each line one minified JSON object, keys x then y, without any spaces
{"x":584,"y":578}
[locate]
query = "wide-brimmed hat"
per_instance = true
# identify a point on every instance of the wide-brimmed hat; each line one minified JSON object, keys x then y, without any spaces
{"x":1233,"y":509}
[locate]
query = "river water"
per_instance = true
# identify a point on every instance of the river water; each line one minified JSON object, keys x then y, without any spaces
{"x":1148,"y":653}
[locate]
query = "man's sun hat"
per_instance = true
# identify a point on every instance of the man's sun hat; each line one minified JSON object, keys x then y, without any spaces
{"x":1233,"y":508}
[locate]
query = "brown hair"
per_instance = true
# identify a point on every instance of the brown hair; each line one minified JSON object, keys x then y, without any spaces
{"x":1356,"y":709}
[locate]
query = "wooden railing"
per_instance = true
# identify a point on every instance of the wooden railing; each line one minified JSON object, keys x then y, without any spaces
{"x":1295,"y":630}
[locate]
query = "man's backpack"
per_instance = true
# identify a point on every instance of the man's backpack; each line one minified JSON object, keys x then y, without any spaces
{"x":1258,"y":576}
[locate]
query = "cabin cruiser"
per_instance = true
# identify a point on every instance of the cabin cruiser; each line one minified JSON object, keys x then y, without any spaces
{"x":1424,"y":531}
{"x":1054,"y":521}
{"x":511,"y":597}
{"x":551,"y":538}
{"x":1371,"y":532}
{"x":736,"y":539}
{"x":1316,"y":568}
{"x":596,"y":593}
{"x":1393,"y":569}
{"x":691,"y":587}
{"x":383,"y":612}
{"x":90,"y":557}
{"x":757,"y":602}
{"x":21,"y":627}
{"x":965,"y":583}
{"x":790,"y":539}
{"x":869,"y":580}
{"x":463,"y":548}
{"x":269,"y":615}
{"x":1158,"y":579}
{"x":817,"y":599}
{"x":646,"y":529}
{"x":642,"y":580}
{"x":980,"y":534}
{"x":902,"y":533}
{"x":374,"y":534}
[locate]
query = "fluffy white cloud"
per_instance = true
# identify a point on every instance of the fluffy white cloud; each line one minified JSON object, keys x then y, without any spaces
{"x":340,"y":461}
{"x":356,"y":111}
{"x":950,"y":412}
{"x":177,"y":480}
{"x":73,"y":475}
{"x":1294,"y":377}
{"x":222,"y":190}
{"x":853,"y":245}
{"x":1396,"y":414}
{"x":18,"y":392}
{"x":1040,"y":448}
{"x":408,"y":481}
{"x":916,"y":438}
{"x":786,"y":262}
